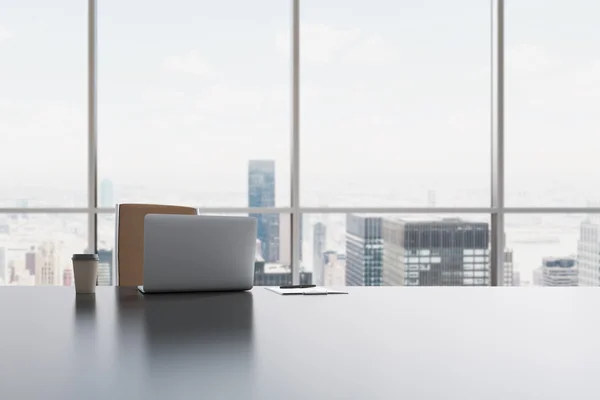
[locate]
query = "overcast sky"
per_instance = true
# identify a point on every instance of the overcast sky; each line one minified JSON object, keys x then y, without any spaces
{"x":391,"y":91}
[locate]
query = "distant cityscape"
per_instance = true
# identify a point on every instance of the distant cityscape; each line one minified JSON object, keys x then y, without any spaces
{"x":350,"y":250}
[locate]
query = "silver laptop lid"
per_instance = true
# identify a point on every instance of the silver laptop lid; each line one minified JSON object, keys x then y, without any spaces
{"x":198,"y":253}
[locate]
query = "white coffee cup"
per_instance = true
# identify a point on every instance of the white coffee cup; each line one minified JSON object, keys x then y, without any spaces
{"x":85,"y":271}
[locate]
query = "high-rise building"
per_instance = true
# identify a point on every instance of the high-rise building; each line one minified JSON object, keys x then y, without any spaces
{"x":261,"y":193}
{"x":48,"y":269}
{"x":509,"y":268}
{"x":30,"y":259}
{"x":588,"y":252}
{"x":334,"y":269}
{"x":277,"y":274}
{"x":559,"y":271}
{"x":364,"y":250}
{"x":394,"y":268}
{"x":319,"y":246}
{"x":107,"y":195}
{"x":105,"y":263}
{"x":511,"y":276}
{"x":448,"y":252}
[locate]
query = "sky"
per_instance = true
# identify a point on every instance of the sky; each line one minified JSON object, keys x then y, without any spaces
{"x":394,"y":95}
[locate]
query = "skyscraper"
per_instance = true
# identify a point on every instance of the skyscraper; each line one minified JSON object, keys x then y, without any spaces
{"x":559,"y":271}
{"x":30,"y":259}
{"x":261,"y":193}
{"x":319,"y":246}
{"x":105,"y":263}
{"x":364,"y":250}
{"x":588,"y":252}
{"x":48,"y":270}
{"x":509,"y":268}
{"x":511,"y":276}
{"x":394,"y":268}
{"x":448,"y":252}
{"x":107,"y":196}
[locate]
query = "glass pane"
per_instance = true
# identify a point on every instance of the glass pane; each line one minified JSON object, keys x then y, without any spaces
{"x":395,"y":103}
{"x":274,"y":239}
{"x":43,"y":128}
{"x":36,"y":249}
{"x":546,"y":248}
{"x":189,"y":93}
{"x":396,"y":250}
{"x":552,"y":94}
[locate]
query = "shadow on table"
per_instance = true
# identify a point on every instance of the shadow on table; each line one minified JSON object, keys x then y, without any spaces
{"x":163,"y":345}
{"x":206,"y":338}
{"x":85,"y":313}
{"x":190,"y":321}
{"x":85,"y":305}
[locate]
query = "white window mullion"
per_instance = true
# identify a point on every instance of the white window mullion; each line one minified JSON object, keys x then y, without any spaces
{"x":497,"y":184}
{"x":92,"y":126}
{"x":295,"y":144}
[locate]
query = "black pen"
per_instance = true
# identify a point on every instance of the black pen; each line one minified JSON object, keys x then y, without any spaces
{"x":296,"y":286}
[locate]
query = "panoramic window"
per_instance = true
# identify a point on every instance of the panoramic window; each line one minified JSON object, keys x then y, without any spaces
{"x":367,"y":130}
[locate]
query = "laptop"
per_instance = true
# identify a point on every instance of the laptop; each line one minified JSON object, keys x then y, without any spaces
{"x":193,"y":253}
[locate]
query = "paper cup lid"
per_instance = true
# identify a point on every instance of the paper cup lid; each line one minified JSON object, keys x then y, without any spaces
{"x":85,"y":257}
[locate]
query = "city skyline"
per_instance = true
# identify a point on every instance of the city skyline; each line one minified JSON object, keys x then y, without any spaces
{"x":526,"y":244}
{"x":520,"y":260}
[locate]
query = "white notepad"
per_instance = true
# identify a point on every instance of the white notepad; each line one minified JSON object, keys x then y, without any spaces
{"x":318,"y":290}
